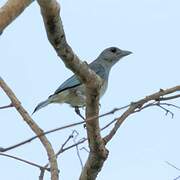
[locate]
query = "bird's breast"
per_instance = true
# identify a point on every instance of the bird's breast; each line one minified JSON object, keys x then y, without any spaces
{"x":103,"y":88}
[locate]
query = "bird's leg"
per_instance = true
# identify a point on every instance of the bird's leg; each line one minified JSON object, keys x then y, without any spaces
{"x":78,"y":112}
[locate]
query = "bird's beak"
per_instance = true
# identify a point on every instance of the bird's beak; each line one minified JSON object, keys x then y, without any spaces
{"x":126,"y":53}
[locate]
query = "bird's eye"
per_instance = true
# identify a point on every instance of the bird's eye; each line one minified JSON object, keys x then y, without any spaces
{"x":113,"y":50}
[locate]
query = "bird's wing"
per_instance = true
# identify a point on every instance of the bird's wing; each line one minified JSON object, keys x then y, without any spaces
{"x":73,"y":81}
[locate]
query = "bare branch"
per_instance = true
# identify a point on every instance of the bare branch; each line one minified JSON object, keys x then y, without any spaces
{"x":90,"y":119}
{"x":34,"y":127}
{"x":37,"y":136}
{"x":74,"y":145}
{"x":85,"y":149}
{"x":61,"y":128}
{"x":11,"y":10}
{"x":134,"y":107}
{"x":166,"y":110}
{"x":25,"y":161}
{"x":77,"y":149}
{"x":98,"y":153}
{"x":7,"y":106}
{"x":157,"y":104}
{"x":55,"y":32}
{"x":63,"y":149}
{"x":169,"y":98}
{"x":177,"y":178}
{"x":174,"y":168}
{"x":114,"y":110}
{"x":41,"y":176}
{"x":81,"y":141}
{"x":63,"y":145}
{"x":170,"y":164}
{"x":107,"y":125}
{"x":169,"y":104}
{"x":50,"y":10}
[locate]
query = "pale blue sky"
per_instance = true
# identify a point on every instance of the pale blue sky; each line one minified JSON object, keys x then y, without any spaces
{"x":148,"y":28}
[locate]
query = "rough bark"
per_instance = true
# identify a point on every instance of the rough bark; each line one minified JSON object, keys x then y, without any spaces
{"x":56,"y":35}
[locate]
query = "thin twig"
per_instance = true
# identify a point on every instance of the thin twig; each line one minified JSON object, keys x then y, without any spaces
{"x":170,"y":164}
{"x":62,"y":147}
{"x":7,"y":106}
{"x":158,"y":104}
{"x":45,"y":133}
{"x":61,"y":128}
{"x":25,"y":161}
{"x":81,"y":122}
{"x":166,"y":110}
{"x":81,"y":141}
{"x":61,"y":150}
{"x":74,"y":145}
{"x":174,"y":168}
{"x":85,"y":149}
{"x":107,"y":125}
{"x":113,"y":111}
{"x":77,"y":149}
{"x":169,"y":104}
{"x":134,"y":107}
{"x":169,"y":98}
{"x":42,"y":171}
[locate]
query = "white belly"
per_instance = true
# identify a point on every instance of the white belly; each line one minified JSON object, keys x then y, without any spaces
{"x":75,"y":96}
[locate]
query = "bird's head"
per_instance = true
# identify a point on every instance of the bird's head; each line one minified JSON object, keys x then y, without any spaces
{"x":112,"y":55}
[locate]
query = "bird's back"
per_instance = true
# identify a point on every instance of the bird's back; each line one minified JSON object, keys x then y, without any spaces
{"x":74,"y":81}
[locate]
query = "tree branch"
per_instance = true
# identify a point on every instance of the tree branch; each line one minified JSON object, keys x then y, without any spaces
{"x":7,"y":106}
{"x":138,"y":105}
{"x":55,"y":32}
{"x":34,"y":127}
{"x":90,"y":119}
{"x":169,"y":98}
{"x":172,"y":165}
{"x":133,"y":108}
{"x":77,"y":148}
{"x":25,"y":161}
{"x":37,"y":136}
{"x":10,"y":10}
{"x":50,"y":10}
{"x":98,"y":153}
{"x":41,"y":176}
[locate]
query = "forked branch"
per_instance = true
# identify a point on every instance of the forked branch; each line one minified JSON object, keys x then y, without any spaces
{"x":139,"y":105}
{"x":56,"y":35}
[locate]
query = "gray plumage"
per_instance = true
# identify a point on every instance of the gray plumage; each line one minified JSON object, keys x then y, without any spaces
{"x":72,"y":91}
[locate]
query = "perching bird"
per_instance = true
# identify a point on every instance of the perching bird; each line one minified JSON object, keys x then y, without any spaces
{"x":72,"y":91}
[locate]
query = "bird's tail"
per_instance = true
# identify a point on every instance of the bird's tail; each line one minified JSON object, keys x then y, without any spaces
{"x":41,"y":105}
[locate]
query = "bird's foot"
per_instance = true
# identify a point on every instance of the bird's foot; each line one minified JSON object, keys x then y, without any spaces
{"x":78,"y":112}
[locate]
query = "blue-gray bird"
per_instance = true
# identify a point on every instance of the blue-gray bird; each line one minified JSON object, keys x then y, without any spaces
{"x":72,"y":91}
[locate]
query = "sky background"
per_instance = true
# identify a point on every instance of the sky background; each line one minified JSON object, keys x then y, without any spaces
{"x":30,"y":66}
